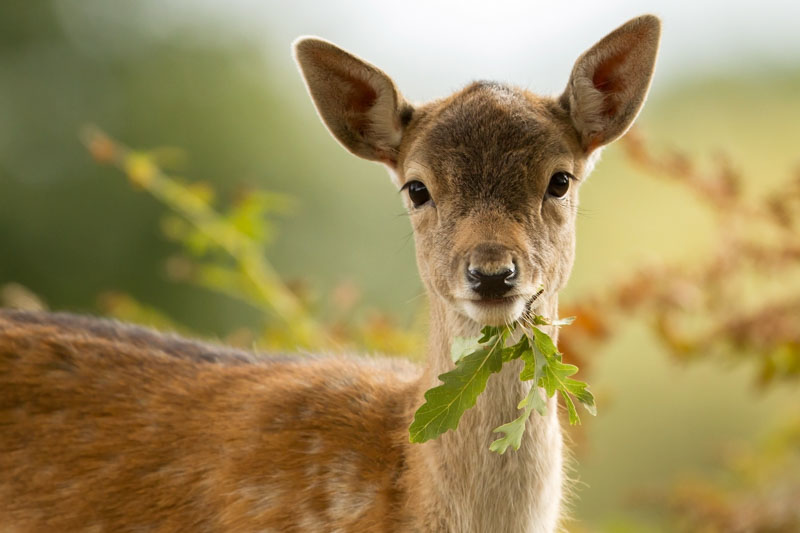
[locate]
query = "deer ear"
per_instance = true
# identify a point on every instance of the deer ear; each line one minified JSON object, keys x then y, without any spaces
{"x":610,"y":81}
{"x":357,"y":102}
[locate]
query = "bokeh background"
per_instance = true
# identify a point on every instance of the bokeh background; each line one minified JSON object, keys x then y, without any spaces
{"x":688,"y":434}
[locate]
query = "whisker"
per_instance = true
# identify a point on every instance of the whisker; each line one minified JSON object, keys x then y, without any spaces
{"x":415,"y":297}
{"x":405,"y":241}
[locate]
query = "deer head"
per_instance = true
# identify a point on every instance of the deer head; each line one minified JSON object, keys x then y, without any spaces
{"x":490,"y":174}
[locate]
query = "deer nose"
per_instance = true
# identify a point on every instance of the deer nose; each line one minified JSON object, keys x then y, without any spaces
{"x":491,"y":285}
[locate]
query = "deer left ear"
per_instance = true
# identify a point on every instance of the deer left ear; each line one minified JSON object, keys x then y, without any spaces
{"x":359,"y":104}
{"x":610,"y":81}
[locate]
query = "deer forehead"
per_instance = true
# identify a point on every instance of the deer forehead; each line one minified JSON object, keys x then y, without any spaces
{"x":489,"y":143}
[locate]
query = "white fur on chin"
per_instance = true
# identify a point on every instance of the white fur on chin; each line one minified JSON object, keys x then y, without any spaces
{"x":498,"y":314}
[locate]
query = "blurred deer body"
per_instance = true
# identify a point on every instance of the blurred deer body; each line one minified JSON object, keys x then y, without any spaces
{"x":106,"y":427}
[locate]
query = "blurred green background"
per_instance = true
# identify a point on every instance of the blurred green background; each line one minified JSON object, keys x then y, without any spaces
{"x":217,"y":81}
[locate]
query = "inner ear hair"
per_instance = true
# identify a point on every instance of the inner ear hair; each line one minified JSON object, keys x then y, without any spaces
{"x":358,"y":102}
{"x":609,"y":82}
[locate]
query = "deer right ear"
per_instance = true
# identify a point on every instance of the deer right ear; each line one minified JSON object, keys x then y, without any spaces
{"x":610,"y":81}
{"x":357,"y":102}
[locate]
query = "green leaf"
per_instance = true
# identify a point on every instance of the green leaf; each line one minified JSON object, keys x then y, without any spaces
{"x":518,"y":350}
{"x":533,"y":400}
{"x":458,"y":392}
{"x":539,"y":320}
{"x":463,"y":346}
{"x":555,"y":376}
{"x":544,"y":344}
{"x":477,"y":359}
{"x":581,"y":392}
{"x":533,"y":366}
{"x":516,"y":429}
{"x":487,"y":333}
{"x":513,"y":434}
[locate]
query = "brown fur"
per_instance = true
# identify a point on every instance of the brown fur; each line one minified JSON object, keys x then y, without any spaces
{"x":106,"y":427}
{"x":115,"y":428}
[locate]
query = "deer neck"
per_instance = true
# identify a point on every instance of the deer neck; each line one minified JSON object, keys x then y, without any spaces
{"x":476,"y":489}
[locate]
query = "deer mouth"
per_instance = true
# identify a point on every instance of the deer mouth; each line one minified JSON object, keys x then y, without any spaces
{"x":497,"y":301}
{"x":495,"y":311}
{"x":500,"y":311}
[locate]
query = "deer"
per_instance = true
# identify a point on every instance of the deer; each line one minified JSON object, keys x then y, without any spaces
{"x":106,"y":426}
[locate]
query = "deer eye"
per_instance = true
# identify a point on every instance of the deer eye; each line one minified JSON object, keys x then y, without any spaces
{"x":418,"y":193}
{"x":559,"y":184}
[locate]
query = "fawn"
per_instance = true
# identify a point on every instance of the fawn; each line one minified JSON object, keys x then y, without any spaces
{"x":109,"y":427}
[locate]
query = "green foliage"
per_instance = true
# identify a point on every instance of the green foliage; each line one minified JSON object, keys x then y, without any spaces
{"x":460,"y":389}
{"x":229,"y":248}
{"x":224,"y":250}
{"x":514,"y":430}
{"x":553,"y":375}
{"x":477,"y":359}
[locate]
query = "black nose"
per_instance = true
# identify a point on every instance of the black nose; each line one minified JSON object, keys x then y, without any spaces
{"x":494,"y":285}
